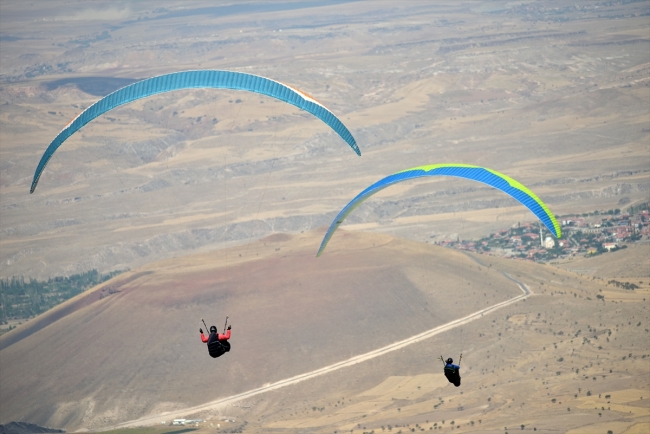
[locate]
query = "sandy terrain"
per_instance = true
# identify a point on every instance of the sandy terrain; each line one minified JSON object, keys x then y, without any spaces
{"x":223,"y":403}
{"x":305,"y":357}
{"x":299,"y":313}
{"x":216,"y":202}
{"x":633,"y":262}
{"x":552,"y":95}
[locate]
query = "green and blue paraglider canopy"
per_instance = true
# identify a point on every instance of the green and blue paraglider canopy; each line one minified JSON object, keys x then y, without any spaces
{"x":475,"y":173}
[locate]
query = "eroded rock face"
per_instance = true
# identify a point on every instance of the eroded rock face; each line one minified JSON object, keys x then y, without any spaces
{"x":26,"y":428}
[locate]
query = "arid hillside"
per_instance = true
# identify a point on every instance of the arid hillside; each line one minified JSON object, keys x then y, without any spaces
{"x":628,"y":264}
{"x":564,"y":360}
{"x":131,"y":347}
{"x":134,"y":351}
{"x":553,"y":95}
{"x":215,"y":201}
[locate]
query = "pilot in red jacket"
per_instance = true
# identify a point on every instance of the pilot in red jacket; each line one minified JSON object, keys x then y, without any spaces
{"x":217,"y":343}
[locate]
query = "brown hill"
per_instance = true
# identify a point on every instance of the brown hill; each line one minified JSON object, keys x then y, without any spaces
{"x":131,"y":347}
{"x":629,"y":263}
{"x":572,"y":358}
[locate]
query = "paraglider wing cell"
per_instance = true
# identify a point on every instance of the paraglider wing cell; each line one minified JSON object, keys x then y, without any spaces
{"x":196,"y":79}
{"x":475,"y":173}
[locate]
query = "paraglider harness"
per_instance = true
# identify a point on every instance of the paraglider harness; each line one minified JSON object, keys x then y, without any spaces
{"x":452,"y":373}
{"x":217,"y":348}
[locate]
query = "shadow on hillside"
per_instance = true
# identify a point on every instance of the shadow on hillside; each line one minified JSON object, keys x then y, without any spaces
{"x":97,"y":86}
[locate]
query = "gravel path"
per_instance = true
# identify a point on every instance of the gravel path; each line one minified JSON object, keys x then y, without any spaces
{"x":213,"y":405}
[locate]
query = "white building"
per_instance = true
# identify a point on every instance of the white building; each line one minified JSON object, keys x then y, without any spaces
{"x":610,"y":246}
{"x":549,"y":243}
{"x":187,"y":421}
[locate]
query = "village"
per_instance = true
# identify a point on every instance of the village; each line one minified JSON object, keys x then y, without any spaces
{"x":587,"y":234}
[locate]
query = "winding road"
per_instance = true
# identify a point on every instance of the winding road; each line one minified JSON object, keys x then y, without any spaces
{"x":212,"y":405}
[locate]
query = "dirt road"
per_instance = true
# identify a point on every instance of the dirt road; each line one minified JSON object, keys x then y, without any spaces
{"x":213,"y":405}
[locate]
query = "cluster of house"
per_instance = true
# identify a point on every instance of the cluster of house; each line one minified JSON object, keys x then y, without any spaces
{"x":599,"y":233}
{"x":582,"y":235}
